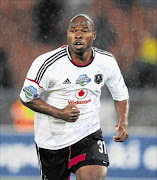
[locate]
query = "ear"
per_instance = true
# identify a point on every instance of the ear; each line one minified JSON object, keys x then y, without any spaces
{"x":94,"y":35}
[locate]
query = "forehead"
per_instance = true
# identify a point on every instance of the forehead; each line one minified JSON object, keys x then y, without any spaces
{"x":80,"y":21}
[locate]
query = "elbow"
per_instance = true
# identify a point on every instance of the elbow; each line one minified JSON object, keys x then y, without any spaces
{"x":24,"y":103}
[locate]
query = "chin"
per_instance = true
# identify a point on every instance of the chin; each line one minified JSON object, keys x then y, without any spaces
{"x":78,"y":51}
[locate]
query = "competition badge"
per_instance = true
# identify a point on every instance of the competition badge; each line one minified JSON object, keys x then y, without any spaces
{"x":30,"y":92}
{"x":83,"y":79}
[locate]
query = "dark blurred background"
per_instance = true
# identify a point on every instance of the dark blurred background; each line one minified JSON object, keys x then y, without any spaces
{"x":127,"y":29}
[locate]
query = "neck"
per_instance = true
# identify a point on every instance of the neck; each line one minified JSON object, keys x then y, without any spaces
{"x":82,"y":58}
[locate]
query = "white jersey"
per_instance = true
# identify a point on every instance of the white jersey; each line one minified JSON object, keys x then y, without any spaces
{"x":58,"y":80}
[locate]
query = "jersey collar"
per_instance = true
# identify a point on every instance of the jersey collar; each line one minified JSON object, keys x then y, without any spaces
{"x":80,"y":65}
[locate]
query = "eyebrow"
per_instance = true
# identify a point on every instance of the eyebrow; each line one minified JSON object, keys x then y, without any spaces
{"x":85,"y":27}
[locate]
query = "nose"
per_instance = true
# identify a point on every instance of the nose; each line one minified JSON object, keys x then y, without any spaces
{"x":78,"y":35}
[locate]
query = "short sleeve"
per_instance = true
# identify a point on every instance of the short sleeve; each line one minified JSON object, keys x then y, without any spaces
{"x":116,"y":84}
{"x":36,"y":82}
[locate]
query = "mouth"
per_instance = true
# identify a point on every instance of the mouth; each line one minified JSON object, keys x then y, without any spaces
{"x":78,"y":44}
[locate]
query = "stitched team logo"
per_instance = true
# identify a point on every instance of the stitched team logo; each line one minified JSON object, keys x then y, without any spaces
{"x":81,"y":93}
{"x":30,"y":92}
{"x":98,"y":78}
{"x":83,"y":79}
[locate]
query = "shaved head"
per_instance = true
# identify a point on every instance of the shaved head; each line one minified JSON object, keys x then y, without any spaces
{"x":85,"y":16}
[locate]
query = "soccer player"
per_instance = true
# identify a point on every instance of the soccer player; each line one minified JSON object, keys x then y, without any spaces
{"x":63,"y":87}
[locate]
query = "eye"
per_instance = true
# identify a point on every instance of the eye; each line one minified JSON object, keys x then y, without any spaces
{"x":85,"y":31}
{"x":73,"y":31}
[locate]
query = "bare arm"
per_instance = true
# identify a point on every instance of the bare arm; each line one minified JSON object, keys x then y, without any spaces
{"x":122,"y":108}
{"x":70,"y":113}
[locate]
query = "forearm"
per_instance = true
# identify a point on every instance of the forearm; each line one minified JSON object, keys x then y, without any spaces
{"x":70,"y":113}
{"x":122,"y":108}
{"x":38,"y":105}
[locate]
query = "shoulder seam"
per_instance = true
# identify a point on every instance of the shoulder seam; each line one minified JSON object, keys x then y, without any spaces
{"x":103,"y":52}
{"x":48,"y":62}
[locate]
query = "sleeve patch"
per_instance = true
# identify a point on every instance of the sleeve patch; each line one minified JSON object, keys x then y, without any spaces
{"x":30,"y":92}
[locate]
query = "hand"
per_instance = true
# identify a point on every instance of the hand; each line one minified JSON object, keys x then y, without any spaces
{"x":123,"y":133}
{"x":70,"y":113}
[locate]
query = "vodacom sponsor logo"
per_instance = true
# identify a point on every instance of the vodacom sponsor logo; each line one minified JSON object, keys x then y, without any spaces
{"x":80,"y":94}
{"x":79,"y":102}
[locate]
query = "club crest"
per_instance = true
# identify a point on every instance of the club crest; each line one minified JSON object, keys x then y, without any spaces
{"x":98,"y":78}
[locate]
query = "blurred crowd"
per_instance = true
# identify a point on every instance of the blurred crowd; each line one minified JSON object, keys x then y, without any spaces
{"x":128,"y":29}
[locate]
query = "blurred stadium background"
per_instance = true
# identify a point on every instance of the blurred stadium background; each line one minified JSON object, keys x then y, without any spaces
{"x":128,"y":29}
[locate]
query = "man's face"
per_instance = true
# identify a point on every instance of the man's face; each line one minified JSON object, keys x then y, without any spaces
{"x":80,"y":35}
